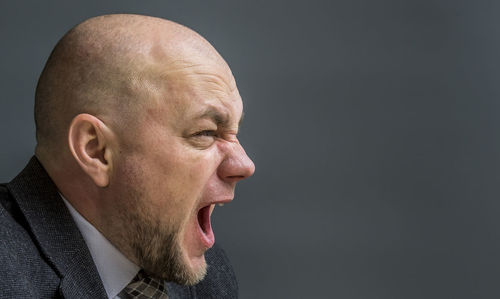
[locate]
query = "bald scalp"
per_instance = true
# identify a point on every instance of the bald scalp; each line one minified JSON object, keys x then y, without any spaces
{"x":108,"y":67}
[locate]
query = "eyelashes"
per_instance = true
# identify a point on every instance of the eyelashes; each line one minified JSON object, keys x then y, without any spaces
{"x":205,"y":138}
{"x":205,"y":133}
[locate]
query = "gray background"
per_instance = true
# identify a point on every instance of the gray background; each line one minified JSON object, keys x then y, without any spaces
{"x":373,"y":125}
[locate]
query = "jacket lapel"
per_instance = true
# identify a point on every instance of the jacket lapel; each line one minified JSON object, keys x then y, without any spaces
{"x":55,"y":232}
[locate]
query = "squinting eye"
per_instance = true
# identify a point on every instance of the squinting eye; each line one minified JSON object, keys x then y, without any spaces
{"x":206,"y":133}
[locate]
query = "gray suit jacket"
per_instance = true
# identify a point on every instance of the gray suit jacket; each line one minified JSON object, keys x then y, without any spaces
{"x":43,"y":254}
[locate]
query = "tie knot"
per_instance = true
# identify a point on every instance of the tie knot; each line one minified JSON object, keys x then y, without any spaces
{"x":144,"y":286}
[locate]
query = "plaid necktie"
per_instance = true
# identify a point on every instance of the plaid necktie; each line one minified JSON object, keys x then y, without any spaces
{"x":144,"y":287}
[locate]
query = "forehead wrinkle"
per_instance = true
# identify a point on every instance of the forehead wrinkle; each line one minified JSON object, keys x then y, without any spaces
{"x":181,"y":80}
{"x":217,"y":77}
{"x":181,"y":85}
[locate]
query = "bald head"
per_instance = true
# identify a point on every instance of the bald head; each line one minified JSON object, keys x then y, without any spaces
{"x":137,"y":121}
{"x":108,"y":67}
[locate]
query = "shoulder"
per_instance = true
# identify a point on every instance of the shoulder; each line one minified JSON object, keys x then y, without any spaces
{"x":220,"y":281}
{"x":24,"y":271}
{"x":13,"y":227}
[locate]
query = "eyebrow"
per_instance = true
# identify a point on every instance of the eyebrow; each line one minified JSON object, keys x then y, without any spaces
{"x":218,"y":117}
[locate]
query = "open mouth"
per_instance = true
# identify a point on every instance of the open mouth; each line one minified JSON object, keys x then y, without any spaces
{"x":205,"y":227}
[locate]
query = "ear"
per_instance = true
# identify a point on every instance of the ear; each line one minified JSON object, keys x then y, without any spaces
{"x":90,"y":143}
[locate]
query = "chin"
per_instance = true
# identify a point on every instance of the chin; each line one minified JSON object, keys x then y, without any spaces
{"x":198,"y":263}
{"x":196,"y":269}
{"x":193,"y":246}
{"x":194,"y":261}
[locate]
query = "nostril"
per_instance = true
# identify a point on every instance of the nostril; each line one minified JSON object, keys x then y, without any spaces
{"x":235,"y":178}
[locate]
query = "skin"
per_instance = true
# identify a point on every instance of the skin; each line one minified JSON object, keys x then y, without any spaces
{"x":142,"y":115}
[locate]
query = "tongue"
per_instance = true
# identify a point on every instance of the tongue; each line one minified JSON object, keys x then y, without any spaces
{"x":205,"y":226}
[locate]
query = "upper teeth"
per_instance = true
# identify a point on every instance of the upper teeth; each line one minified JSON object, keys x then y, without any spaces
{"x":221,"y":204}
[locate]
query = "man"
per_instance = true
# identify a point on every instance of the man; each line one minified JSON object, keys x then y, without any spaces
{"x":136,"y":125}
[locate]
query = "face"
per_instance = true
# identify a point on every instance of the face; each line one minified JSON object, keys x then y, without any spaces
{"x":183,"y":160}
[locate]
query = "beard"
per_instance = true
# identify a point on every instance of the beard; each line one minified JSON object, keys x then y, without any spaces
{"x":154,"y":246}
{"x":159,"y":253}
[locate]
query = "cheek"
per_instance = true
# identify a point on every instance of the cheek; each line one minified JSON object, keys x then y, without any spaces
{"x":213,"y":188}
{"x":171,"y":179}
{"x":198,"y":165}
{"x":148,"y":184}
{"x":175,"y":181}
{"x":192,"y":181}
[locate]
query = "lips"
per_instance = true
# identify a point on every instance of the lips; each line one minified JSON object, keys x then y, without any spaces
{"x":205,"y":227}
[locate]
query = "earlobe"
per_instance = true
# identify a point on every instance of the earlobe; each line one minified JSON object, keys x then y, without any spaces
{"x":89,"y":143}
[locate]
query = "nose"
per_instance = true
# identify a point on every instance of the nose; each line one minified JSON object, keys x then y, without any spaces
{"x":237,"y":165}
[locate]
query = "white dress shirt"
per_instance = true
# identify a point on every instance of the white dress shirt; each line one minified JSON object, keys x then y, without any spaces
{"x":115,"y":269}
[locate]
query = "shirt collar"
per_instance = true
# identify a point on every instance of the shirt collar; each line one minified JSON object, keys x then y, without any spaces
{"x":115,"y":269}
